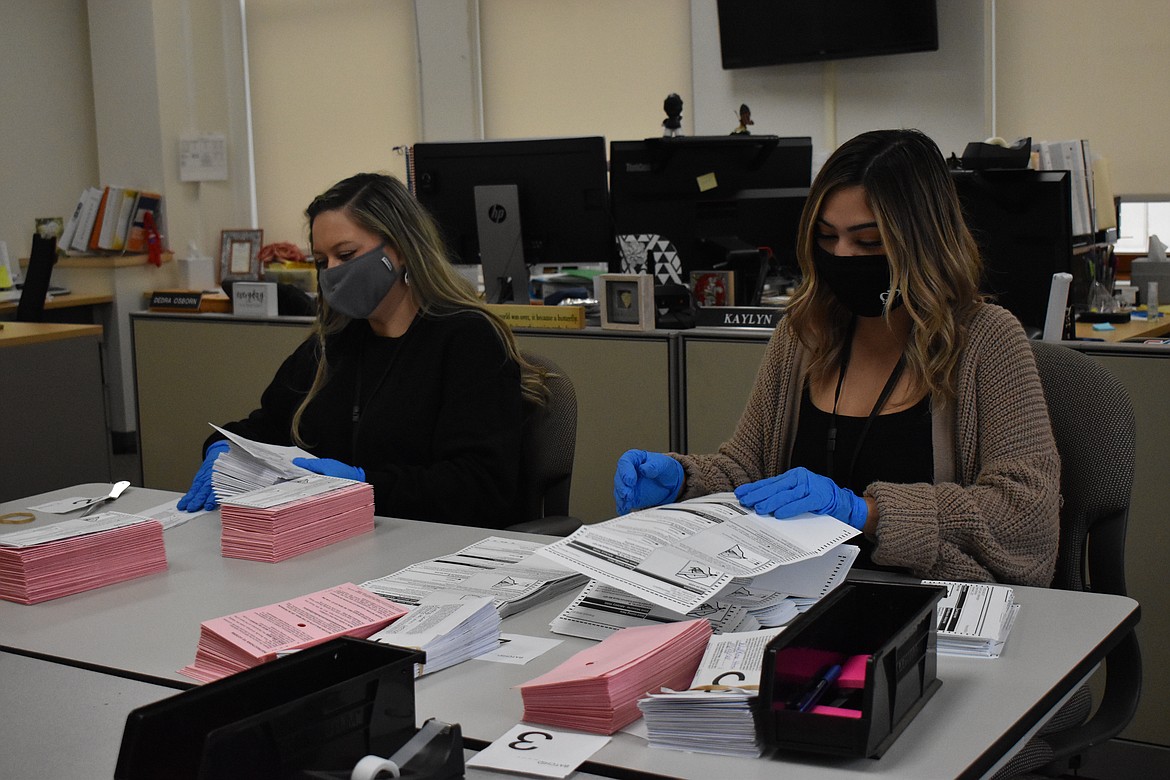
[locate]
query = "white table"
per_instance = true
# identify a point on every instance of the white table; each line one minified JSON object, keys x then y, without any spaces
{"x":149,"y":627}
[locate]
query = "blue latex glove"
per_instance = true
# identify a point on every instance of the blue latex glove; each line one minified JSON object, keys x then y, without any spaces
{"x":331,"y":468}
{"x":200,"y":497}
{"x":800,"y":490}
{"x":645,"y":479}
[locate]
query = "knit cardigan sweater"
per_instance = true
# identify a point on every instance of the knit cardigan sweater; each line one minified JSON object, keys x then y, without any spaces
{"x":992,"y":512}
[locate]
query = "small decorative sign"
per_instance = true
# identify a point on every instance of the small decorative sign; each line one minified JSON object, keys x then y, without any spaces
{"x":175,"y":300}
{"x":518,"y":315}
{"x":254,"y":299}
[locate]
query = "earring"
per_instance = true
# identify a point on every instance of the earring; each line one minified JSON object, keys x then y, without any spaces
{"x":406,"y":277}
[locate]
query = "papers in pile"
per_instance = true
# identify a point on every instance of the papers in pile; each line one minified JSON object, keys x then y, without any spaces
{"x":248,"y":465}
{"x":678,"y":556}
{"x":974,"y":619}
{"x":245,"y":639}
{"x":60,"y":559}
{"x":597,"y":689}
{"x":507,"y":570}
{"x":450,"y":629}
{"x":715,"y":714}
{"x":289,"y":518}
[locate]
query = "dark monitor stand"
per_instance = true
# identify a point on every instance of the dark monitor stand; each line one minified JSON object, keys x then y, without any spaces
{"x":36,"y":279}
{"x":501,"y":248}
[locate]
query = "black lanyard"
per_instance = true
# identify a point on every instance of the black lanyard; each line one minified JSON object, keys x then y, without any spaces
{"x":831,"y":443}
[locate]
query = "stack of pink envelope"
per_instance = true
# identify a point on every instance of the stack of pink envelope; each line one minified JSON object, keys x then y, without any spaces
{"x":290,"y":518}
{"x":60,"y":559}
{"x":597,"y":690}
{"x":245,"y":639}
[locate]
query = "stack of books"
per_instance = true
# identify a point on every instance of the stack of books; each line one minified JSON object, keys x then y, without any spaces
{"x":974,"y":619}
{"x":290,"y":518}
{"x":48,"y":562}
{"x":448,"y":628}
{"x":246,"y":639}
{"x":111,"y":219}
{"x":597,"y":690}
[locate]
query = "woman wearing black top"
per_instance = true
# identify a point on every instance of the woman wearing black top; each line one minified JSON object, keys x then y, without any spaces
{"x":407,"y":382}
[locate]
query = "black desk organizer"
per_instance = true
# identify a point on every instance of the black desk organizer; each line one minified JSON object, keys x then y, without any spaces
{"x":318,"y":710}
{"x":894,"y":625}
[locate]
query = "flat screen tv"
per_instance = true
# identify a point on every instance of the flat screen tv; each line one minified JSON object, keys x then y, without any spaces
{"x":1022,"y":221}
{"x":707,"y":203}
{"x":754,"y":33}
{"x":559,"y":185}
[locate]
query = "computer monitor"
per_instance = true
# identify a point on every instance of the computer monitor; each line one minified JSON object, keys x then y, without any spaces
{"x":558,"y":186}
{"x":1138,"y":218}
{"x":708,"y":202}
{"x":1022,"y":221}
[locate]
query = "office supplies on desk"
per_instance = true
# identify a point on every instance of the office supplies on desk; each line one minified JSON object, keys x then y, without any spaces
{"x":597,"y":690}
{"x":245,"y":639}
{"x":290,"y":518}
{"x":47,"y":562}
{"x":115,"y":491}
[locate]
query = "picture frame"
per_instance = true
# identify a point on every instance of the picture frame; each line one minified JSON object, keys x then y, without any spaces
{"x":626,"y":301}
{"x":713,"y":288}
{"x":239,"y":254}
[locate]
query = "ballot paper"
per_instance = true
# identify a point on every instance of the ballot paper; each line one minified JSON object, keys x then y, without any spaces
{"x":597,"y":689}
{"x":59,"y":559}
{"x":290,"y":518}
{"x":507,"y":570}
{"x":974,"y":619}
{"x":681,"y":555}
{"x":245,"y":639}
{"x":248,"y":465}
{"x":450,"y":629}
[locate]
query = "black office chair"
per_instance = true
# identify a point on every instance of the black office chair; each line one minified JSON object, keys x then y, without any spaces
{"x":36,"y":279}
{"x":546,"y":468}
{"x":1085,"y":403}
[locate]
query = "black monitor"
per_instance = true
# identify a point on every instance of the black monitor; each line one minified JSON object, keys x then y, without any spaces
{"x":753,"y":33}
{"x":41,"y":260}
{"x":1022,"y":221}
{"x":558,"y":184}
{"x":709,"y":202}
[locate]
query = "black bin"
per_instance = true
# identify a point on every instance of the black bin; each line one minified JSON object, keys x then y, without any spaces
{"x":888,"y":631}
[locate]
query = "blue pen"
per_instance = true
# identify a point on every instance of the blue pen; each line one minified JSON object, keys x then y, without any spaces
{"x":817,"y":689}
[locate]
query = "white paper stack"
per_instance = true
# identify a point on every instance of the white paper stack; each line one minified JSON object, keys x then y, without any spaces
{"x":448,"y":628}
{"x":974,"y":619}
{"x":48,"y":562}
{"x":715,"y":715}
{"x":245,"y":639}
{"x":248,"y":465}
{"x":597,"y":690}
{"x":290,"y":518}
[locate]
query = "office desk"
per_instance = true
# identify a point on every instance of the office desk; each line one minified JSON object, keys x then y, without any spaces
{"x":149,"y":627}
{"x":1135,"y":328}
{"x":62,"y":308}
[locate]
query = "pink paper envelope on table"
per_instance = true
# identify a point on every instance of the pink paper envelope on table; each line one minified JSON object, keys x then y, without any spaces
{"x":618,"y":651}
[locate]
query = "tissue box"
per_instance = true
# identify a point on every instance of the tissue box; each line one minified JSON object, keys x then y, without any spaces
{"x":888,"y":631}
{"x":1142,"y":272}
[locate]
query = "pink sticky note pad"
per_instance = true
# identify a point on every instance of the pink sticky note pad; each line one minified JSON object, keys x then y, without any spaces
{"x":853,"y":672}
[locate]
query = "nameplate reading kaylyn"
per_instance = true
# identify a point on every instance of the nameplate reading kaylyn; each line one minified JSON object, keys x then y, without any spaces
{"x":173,"y":300}
{"x":738,"y":317}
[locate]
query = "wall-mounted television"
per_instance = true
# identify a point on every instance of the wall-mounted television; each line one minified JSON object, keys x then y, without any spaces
{"x":754,"y":33}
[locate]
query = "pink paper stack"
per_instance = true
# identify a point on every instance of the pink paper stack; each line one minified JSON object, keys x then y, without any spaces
{"x":245,"y":639}
{"x":326,"y":511}
{"x":597,"y":690}
{"x":72,"y":562}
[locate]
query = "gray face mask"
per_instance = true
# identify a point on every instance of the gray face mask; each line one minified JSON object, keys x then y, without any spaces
{"x":357,"y":286}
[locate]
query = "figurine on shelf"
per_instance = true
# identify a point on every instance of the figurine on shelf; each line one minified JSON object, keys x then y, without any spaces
{"x":672,"y":125}
{"x":745,"y":119}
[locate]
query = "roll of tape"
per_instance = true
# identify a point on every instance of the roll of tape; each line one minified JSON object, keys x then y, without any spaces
{"x":370,"y":767}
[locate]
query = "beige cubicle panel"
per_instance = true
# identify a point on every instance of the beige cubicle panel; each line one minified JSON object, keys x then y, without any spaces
{"x":192,"y":370}
{"x":623,"y":383}
{"x":719,"y":368}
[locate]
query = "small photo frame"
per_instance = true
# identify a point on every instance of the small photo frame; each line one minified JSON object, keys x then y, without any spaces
{"x":627,"y":301}
{"x":713,"y":288}
{"x":239,"y":254}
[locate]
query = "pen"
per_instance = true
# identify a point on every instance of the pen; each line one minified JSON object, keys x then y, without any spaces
{"x":817,"y":689}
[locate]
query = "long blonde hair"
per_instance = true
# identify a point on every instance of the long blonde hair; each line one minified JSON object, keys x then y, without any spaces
{"x":933,"y":259}
{"x":381,"y":204}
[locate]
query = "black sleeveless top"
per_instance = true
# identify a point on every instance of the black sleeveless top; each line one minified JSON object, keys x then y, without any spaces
{"x":897,"y":448}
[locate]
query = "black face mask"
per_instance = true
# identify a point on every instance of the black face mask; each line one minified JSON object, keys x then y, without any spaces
{"x":860,"y":282}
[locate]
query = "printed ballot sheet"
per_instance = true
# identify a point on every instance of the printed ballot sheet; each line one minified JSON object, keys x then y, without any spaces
{"x":974,"y":619}
{"x":680,"y":555}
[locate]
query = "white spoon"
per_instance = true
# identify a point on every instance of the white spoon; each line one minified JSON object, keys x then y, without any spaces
{"x":115,"y":491}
